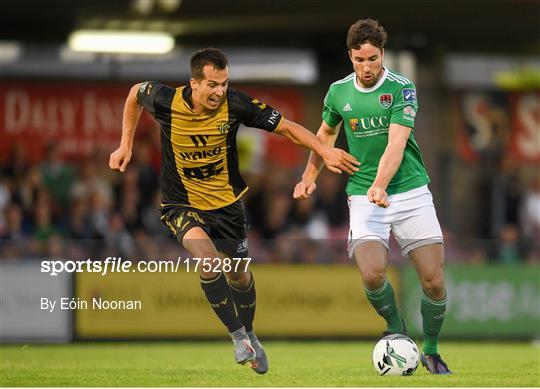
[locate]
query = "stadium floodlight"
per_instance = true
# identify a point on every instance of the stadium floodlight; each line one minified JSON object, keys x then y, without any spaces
{"x":135,"y":42}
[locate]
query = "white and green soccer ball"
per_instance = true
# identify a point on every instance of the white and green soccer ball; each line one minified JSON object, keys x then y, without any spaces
{"x":395,"y":355}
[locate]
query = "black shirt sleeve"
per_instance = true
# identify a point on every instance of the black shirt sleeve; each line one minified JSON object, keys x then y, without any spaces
{"x":154,"y":96}
{"x":254,"y":113}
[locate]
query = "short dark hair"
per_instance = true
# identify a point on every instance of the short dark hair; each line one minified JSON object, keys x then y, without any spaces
{"x":208,"y":56}
{"x":366,"y":31}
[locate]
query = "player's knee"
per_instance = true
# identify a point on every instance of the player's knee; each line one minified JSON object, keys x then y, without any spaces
{"x":434,"y":288}
{"x":207,"y":274}
{"x":373,"y":279}
{"x":239,"y":279}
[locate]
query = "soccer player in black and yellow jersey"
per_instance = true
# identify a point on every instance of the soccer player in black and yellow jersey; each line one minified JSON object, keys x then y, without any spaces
{"x":201,"y":183}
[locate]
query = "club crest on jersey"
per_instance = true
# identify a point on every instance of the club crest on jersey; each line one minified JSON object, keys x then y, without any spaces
{"x":223,"y":127}
{"x":385,"y":100}
{"x":354,"y":124}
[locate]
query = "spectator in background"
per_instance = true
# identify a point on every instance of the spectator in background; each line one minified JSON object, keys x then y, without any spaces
{"x":153,"y":140}
{"x":5,"y":198}
{"x":262,"y":188}
{"x":129,"y":199}
{"x":147,"y":174}
{"x":17,"y":165}
{"x":43,"y":224}
{"x":57,"y":175}
{"x":331,"y":199}
{"x":13,"y":238}
{"x":15,"y":229}
{"x":530,"y":219}
{"x":530,"y":210}
{"x":55,"y":247}
{"x":26,"y":192}
{"x":275,"y":221}
{"x":509,"y":247}
{"x":118,"y":239}
{"x":151,"y":215}
{"x":88,"y":181}
{"x":78,"y":224}
{"x":453,"y":252}
{"x":313,"y":221}
{"x":98,"y":216}
{"x":129,"y":210}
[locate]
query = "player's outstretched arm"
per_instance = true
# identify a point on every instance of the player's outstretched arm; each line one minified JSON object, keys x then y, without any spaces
{"x":303,"y":190}
{"x":389,"y":164}
{"x":336,"y":160}
{"x":132,"y":112}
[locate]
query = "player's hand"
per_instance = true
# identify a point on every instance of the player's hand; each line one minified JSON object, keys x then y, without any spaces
{"x":304,"y":189}
{"x":120,"y":158}
{"x":378,"y":195}
{"x":338,"y":161}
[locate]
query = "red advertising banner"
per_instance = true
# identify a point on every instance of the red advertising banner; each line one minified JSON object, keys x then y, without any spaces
{"x":500,"y":121}
{"x":77,"y":117}
{"x":82,"y":117}
{"x":279,"y":149}
{"x":525,"y":140}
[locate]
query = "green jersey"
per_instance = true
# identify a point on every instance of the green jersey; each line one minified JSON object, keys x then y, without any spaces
{"x":366,"y":114}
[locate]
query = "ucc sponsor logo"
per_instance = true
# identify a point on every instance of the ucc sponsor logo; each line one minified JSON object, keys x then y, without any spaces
{"x":196,"y":155}
{"x":374,"y":122}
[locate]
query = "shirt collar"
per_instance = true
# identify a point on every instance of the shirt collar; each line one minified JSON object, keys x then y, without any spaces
{"x":374,"y":87}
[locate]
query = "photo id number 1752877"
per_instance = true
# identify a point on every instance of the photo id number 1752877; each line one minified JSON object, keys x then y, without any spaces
{"x":209,"y":265}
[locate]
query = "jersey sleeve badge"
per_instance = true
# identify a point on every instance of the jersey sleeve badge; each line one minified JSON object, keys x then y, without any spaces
{"x":409,"y":95}
{"x":409,"y":113}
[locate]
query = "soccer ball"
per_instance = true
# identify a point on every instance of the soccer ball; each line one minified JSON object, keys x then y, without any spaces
{"x":395,"y":355}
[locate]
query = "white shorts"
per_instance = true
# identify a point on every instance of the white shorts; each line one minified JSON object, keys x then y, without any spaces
{"x":411,"y":217}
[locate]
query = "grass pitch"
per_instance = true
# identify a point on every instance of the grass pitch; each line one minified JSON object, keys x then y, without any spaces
{"x":312,"y":364}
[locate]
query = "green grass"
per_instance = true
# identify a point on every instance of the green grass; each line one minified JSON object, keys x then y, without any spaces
{"x":291,"y":364}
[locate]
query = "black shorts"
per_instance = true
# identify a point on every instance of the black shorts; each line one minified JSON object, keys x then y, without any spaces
{"x":225,"y":226}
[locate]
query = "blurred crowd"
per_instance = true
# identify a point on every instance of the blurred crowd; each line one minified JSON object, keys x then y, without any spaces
{"x":62,"y":209}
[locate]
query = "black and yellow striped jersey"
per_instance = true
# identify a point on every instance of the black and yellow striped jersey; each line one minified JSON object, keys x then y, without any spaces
{"x":199,"y":155}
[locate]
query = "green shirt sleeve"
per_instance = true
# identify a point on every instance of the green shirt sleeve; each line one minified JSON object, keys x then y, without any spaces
{"x":405,"y":107}
{"x":330,"y":114}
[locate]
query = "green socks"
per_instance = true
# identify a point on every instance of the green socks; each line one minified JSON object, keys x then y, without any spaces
{"x":433,"y":312}
{"x":384,"y":302}
{"x":432,"y":317}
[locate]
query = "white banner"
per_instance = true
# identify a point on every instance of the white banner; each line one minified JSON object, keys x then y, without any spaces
{"x":22,"y":288}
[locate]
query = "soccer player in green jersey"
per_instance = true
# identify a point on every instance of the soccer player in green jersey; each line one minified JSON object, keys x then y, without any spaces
{"x":377,"y":107}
